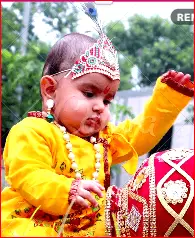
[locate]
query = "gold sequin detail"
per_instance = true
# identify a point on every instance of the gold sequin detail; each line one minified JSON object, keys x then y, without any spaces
{"x":174,"y":191}
{"x":140,"y":178}
{"x":178,"y":217}
{"x":145,"y":214}
{"x":133,"y":219}
{"x":177,"y":154}
{"x":152,"y":196}
{"x":108,"y":225}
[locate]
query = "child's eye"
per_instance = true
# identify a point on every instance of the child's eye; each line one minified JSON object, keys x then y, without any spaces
{"x":107,"y":102}
{"x":88,"y":94}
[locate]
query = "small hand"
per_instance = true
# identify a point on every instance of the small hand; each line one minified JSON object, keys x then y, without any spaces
{"x":180,"y":78}
{"x":84,"y":193}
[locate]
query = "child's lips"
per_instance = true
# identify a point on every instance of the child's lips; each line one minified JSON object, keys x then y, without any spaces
{"x":93,"y":121}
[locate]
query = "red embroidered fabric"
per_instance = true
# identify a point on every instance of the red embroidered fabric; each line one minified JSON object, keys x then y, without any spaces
{"x":158,"y":201}
{"x":35,"y":114}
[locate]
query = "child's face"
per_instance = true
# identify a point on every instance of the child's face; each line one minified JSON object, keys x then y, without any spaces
{"x":82,"y":105}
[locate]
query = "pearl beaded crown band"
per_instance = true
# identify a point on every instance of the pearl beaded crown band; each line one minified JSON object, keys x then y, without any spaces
{"x":101,"y":57}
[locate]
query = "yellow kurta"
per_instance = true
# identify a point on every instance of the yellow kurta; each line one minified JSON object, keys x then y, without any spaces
{"x":40,"y":176}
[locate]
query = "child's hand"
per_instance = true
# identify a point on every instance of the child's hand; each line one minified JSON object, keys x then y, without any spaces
{"x":179,"y":77}
{"x":84,"y":192}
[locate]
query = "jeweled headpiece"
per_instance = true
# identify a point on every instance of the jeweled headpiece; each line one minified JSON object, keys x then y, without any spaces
{"x":101,"y":57}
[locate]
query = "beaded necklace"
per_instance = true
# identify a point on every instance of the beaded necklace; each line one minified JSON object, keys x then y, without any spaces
{"x":71,"y":155}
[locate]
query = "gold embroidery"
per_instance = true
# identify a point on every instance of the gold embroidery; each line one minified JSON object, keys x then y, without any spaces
{"x":133,"y":219}
{"x":117,"y":229}
{"x":178,"y":217}
{"x":145,"y":212}
{"x":177,"y":154}
{"x":108,"y":225}
{"x":123,"y":212}
{"x":174,"y":191}
{"x":152,"y":196}
{"x":140,"y":178}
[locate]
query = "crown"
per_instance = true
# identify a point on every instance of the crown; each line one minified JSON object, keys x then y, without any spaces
{"x":99,"y":58}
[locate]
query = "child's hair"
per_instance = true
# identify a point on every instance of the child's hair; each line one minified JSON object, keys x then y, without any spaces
{"x":65,"y":52}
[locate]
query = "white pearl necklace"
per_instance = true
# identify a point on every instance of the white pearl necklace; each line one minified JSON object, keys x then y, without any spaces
{"x":71,"y":155}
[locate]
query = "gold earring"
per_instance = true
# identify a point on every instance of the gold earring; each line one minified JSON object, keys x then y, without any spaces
{"x":50,"y":104}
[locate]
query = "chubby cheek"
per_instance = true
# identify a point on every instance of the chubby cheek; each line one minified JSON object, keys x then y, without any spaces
{"x":74,"y":108}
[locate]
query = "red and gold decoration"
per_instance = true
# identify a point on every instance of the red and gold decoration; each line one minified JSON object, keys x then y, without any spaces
{"x":100,"y":58}
{"x":159,"y":199}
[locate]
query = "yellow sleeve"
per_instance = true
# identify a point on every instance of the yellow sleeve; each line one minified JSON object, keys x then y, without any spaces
{"x":28,"y":163}
{"x":147,"y":129}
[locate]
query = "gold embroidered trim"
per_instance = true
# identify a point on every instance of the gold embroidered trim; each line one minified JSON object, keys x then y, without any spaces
{"x":177,"y":154}
{"x":140,"y":178}
{"x":119,"y":215}
{"x":122,"y":214}
{"x":108,"y":225}
{"x":145,"y":212}
{"x":152,"y":196}
{"x":178,"y":217}
{"x":174,"y":191}
{"x":133,"y":219}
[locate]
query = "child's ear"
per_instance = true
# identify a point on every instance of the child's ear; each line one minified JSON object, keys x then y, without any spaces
{"x":48,"y":86}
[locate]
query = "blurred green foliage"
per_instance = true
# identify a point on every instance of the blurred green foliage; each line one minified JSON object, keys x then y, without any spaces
{"x":155,"y":45}
{"x":119,"y":110}
{"x":21,"y":73}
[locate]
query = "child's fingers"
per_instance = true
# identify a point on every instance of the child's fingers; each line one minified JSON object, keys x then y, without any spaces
{"x":187,"y":76}
{"x":96,"y":190}
{"x":173,"y":73}
{"x":93,"y":186}
{"x":170,"y":73}
{"x":81,"y":201}
{"x":90,"y":184}
{"x":179,"y":76}
{"x":87,"y":195}
{"x":100,"y":186}
{"x":185,"y":79}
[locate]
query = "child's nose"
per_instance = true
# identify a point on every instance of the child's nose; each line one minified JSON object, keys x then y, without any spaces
{"x":98,"y":106}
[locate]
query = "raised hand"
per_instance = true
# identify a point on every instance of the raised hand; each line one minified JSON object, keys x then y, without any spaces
{"x":179,"y":77}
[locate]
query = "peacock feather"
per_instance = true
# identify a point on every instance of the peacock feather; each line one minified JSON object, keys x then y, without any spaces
{"x":90,"y":10}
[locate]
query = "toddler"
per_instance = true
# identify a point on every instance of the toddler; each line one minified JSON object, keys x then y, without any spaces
{"x":63,"y":153}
